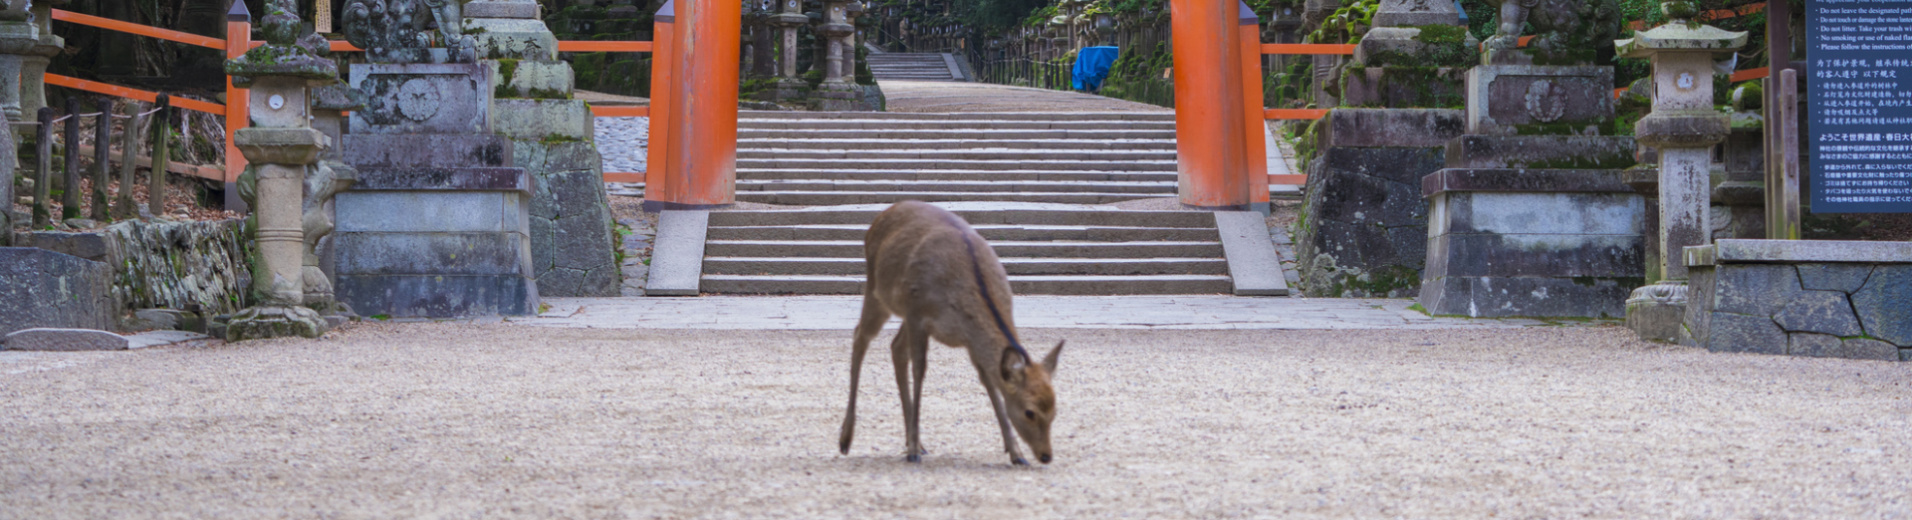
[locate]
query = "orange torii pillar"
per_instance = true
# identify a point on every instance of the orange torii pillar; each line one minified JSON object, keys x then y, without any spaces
{"x":238,"y":41}
{"x":693,"y":156}
{"x":1213,"y":157}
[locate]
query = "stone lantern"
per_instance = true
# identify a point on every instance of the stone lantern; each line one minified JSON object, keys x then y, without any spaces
{"x":33,"y":66}
{"x":1684,"y":127}
{"x":281,"y":145}
{"x":789,"y":86}
{"x":836,"y":93}
{"x":18,"y":36}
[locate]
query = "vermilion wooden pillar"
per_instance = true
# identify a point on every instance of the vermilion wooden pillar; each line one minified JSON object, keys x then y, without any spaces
{"x":659,"y":178}
{"x":1254,"y":123}
{"x":700,"y":151}
{"x":1213,"y":161}
{"x":238,"y":41}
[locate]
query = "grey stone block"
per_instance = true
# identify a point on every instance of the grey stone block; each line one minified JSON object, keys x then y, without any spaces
{"x":523,"y":9}
{"x":1740,"y":250}
{"x":1376,"y":127}
{"x":1252,"y":264}
{"x":1814,"y":345}
{"x":509,"y":38}
{"x":1833,"y":277}
{"x":375,"y":178}
{"x":1825,"y":312}
{"x":160,"y":338}
{"x":1758,"y":290}
{"x":1742,"y":333}
{"x":543,"y":119}
{"x":64,"y":340}
{"x":1387,"y":87}
{"x":1364,"y":225}
{"x":1821,"y":345}
{"x":1538,"y":213}
{"x":582,"y":249}
{"x":95,"y":245}
{"x":426,"y":151}
{"x":46,"y":289}
{"x":1507,"y":297}
{"x":532,"y":79}
{"x":677,"y":264}
{"x":181,"y":265}
{"x":434,"y":253}
{"x":439,"y":296}
{"x":1396,"y":13}
{"x":1531,"y":99}
{"x":412,"y":212}
{"x":1551,"y":255}
{"x":422,"y":98}
{"x":1882,"y":305}
{"x":1654,"y":320}
{"x":1507,"y":180}
{"x":1540,"y":152}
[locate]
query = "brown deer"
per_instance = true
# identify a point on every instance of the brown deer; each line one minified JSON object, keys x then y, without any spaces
{"x":928,"y":266}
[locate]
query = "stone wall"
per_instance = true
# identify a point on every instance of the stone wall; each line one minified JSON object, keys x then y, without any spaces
{"x":41,"y":288}
{"x":1362,"y":231}
{"x":1801,"y":298}
{"x":164,"y":264}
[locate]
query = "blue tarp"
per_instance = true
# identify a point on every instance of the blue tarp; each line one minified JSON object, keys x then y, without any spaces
{"x":1092,"y":66}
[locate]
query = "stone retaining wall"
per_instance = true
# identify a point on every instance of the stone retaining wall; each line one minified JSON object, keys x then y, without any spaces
{"x":170,"y":265}
{"x":1801,"y":298}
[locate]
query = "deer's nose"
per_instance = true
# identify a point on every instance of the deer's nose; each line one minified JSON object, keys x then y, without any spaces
{"x":1044,"y":458}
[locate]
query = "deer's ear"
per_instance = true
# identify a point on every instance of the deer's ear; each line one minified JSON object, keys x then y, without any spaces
{"x":1014,"y":362}
{"x":1049,"y":361}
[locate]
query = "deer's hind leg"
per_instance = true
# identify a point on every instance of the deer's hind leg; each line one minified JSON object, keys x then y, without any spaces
{"x":874,"y":316}
{"x":902,"y":355}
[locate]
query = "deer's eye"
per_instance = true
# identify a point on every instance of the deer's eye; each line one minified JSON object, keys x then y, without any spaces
{"x":1029,"y":413}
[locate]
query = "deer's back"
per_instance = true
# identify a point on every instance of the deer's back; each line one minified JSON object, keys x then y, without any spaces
{"x":922,"y":260}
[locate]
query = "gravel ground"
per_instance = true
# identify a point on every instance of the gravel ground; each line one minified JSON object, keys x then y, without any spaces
{"x":498,"y":421}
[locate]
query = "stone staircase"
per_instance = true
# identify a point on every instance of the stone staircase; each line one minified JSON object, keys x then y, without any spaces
{"x":1037,"y":185}
{"x":906,"y":66}
{"x":813,"y":158}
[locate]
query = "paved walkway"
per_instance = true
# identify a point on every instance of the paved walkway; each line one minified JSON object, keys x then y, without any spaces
{"x":946,"y":96}
{"x":1181,"y":312}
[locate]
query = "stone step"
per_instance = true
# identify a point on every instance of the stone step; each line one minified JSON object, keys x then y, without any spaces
{"x":891,"y":125}
{"x":974,"y":133}
{"x":1015,"y":266}
{"x":1023,"y":284}
{"x":966,"y":116}
{"x":837,"y":198}
{"x":975,"y":186}
{"x":945,"y":156}
{"x":954,"y":144}
{"x":998,"y":232}
{"x":954,"y":175}
{"x":854,"y":249}
{"x":976,"y":217}
{"x":934,"y":164}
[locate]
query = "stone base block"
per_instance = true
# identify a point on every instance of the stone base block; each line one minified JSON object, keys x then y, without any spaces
{"x":1655,"y":311}
{"x":531,"y":79}
{"x":1541,"y":152}
{"x":1418,"y":47}
{"x":1551,"y":243}
{"x":439,"y":296}
{"x":422,"y":98}
{"x":1363,"y":232}
{"x":506,"y":38}
{"x":435,"y":253}
{"x":429,"y":212}
{"x":1539,"y":100}
{"x":520,"y":9}
{"x":1380,"y":87}
{"x":64,"y":340}
{"x":276,"y":322}
{"x":546,"y":120}
{"x":425,"y":151}
{"x":40,"y":288}
{"x":1818,"y":298}
{"x":1375,"y":127}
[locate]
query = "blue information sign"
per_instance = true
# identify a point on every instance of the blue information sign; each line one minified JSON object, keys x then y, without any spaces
{"x":1860,"y":99}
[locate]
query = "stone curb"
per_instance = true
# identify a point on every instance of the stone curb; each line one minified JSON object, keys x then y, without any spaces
{"x":677,"y":259}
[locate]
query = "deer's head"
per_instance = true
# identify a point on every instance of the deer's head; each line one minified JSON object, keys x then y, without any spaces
{"x":1030,"y":399}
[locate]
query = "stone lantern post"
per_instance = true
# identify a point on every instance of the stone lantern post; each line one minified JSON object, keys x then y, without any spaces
{"x":33,"y":66}
{"x":836,"y":93}
{"x":789,"y":86}
{"x":18,"y":36}
{"x":281,"y":145}
{"x":1684,"y":126}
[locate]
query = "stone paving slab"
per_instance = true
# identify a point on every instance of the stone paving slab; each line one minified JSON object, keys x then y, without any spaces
{"x":1179,"y":312}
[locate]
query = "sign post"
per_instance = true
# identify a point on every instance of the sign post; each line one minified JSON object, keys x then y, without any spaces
{"x":1860,"y":94}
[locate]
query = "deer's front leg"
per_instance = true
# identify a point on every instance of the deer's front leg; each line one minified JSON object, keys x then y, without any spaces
{"x":872,"y":322}
{"x":919,"y":353}
{"x":1002,"y":418}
